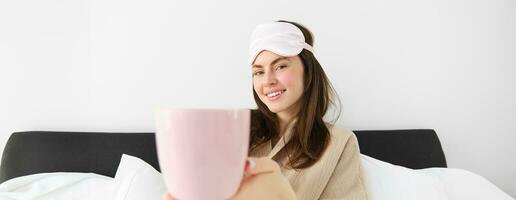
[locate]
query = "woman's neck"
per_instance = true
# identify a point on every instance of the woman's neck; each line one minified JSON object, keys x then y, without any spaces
{"x":283,"y":123}
{"x":285,"y":118}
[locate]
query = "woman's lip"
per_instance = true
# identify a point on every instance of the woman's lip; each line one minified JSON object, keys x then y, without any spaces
{"x":276,"y":97}
{"x":267,"y":93}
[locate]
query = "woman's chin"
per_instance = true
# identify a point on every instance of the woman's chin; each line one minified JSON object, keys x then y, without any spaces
{"x":275,"y":109}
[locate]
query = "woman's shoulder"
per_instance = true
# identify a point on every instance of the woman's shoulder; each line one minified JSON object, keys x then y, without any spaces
{"x":340,"y":133}
{"x":343,"y":140}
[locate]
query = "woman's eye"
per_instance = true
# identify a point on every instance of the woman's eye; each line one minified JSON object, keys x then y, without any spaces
{"x":281,"y":67}
{"x":257,"y":73}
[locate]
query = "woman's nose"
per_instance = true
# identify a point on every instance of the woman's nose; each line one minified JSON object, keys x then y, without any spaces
{"x":271,"y":79}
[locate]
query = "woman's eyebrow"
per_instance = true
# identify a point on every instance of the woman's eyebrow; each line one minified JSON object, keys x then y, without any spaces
{"x":272,"y":63}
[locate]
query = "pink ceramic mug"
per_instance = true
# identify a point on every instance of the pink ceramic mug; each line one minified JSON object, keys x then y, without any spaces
{"x":202,"y":152}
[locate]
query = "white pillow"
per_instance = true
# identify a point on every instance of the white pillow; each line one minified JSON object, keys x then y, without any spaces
{"x":57,"y":186}
{"x":386,"y":181}
{"x":137,"y":180}
{"x":464,"y":185}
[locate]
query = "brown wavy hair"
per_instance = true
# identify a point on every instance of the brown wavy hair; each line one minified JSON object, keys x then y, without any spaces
{"x":310,"y":136}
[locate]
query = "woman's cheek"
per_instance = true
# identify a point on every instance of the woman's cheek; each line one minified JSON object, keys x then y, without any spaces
{"x":286,"y":80}
{"x":256,"y":87}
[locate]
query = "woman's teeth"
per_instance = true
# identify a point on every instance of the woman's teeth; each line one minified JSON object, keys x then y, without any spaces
{"x":276,"y":93}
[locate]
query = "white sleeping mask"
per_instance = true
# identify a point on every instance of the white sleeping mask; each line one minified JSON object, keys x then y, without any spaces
{"x":281,"y":38}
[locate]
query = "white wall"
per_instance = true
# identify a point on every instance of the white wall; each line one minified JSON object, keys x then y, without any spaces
{"x":107,"y":65}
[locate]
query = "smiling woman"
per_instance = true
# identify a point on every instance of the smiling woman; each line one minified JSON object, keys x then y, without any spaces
{"x":289,"y":84}
{"x":293,"y":94}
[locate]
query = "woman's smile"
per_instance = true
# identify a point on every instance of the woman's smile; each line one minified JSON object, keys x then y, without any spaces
{"x":272,"y":96}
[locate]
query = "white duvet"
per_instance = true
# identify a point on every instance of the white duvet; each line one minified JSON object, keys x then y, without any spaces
{"x":137,"y":180}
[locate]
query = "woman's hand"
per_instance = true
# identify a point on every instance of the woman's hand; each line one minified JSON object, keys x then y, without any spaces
{"x":262,"y":180}
{"x":169,"y":197}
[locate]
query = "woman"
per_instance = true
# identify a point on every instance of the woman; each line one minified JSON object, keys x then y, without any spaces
{"x":294,"y":153}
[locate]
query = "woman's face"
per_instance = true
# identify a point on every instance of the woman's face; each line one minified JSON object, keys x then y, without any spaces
{"x":278,"y":81}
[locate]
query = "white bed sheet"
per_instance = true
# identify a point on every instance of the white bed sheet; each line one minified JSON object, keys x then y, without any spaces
{"x":135,"y":179}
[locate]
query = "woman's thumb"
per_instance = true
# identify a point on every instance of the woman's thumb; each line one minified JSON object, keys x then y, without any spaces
{"x":256,"y":166}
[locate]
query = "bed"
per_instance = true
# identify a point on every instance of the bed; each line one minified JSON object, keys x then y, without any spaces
{"x":99,"y":152}
{"x":398,"y":164}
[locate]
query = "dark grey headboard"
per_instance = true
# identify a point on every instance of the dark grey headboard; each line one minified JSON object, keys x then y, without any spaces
{"x":48,"y":151}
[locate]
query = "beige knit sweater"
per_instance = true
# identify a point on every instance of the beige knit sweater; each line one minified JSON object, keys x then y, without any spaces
{"x":337,"y":175}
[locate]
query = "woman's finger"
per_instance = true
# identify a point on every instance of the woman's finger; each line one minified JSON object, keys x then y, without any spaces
{"x":169,"y":197}
{"x":256,"y":166}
